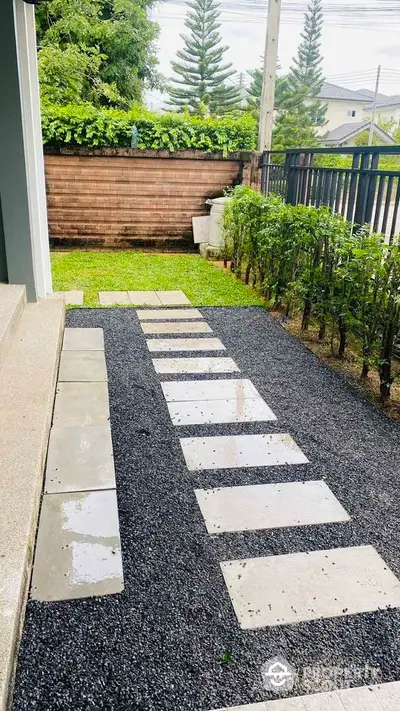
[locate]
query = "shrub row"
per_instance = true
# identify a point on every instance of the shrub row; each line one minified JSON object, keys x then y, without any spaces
{"x":84,"y":125}
{"x":310,"y":261}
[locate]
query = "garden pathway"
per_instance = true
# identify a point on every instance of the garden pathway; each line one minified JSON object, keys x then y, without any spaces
{"x":259,"y":524}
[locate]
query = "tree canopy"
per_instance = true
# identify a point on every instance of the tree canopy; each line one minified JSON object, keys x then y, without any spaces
{"x":96,"y":51}
{"x":301,"y":112}
{"x":201,"y":74}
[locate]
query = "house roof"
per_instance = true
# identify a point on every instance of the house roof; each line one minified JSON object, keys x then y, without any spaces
{"x":388,"y":101}
{"x":333,"y":91}
{"x":368,"y":94}
{"x":349,"y":130}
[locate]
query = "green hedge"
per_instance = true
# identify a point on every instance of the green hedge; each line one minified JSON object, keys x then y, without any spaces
{"x":83,"y":125}
{"x":307,"y":260}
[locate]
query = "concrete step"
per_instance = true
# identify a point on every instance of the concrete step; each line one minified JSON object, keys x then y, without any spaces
{"x":27,"y":386}
{"x":12,"y":304}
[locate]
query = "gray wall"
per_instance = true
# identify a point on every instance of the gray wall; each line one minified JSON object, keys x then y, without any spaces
{"x":3,"y":262}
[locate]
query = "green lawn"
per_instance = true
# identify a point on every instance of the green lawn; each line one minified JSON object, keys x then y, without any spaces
{"x":203,"y":283}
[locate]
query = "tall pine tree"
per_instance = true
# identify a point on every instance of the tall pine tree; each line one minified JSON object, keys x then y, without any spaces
{"x":254,"y":91}
{"x":201,"y":75}
{"x":301,"y":111}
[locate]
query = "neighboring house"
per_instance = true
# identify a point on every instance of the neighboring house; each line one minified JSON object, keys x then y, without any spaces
{"x":347,"y":133}
{"x":342,"y":106}
{"x":387,"y":109}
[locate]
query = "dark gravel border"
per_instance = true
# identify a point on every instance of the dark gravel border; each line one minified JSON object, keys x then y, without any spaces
{"x":158,"y":645}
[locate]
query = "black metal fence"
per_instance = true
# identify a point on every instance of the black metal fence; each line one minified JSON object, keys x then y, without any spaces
{"x":363,"y":192}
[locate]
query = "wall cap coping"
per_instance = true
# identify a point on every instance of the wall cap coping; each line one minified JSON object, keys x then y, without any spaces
{"x":242,"y":156}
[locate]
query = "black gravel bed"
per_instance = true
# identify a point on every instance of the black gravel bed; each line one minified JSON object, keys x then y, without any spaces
{"x":158,"y":646}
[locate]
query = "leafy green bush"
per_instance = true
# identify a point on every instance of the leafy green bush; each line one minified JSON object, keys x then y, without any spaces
{"x":307,"y":260}
{"x":84,"y":125}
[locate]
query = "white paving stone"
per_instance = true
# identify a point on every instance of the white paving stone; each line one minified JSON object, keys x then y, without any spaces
{"x":79,"y":459}
{"x":186,"y":390}
{"x":114,"y":298}
{"x":378,"y":697}
{"x":80,"y":404}
{"x":144,"y":298}
{"x":236,"y":451}
{"x":168,"y":314}
{"x":179,"y":327}
{"x":74,"y":297}
{"x":207,"y":412}
{"x":172,"y":298}
{"x":80,"y":366}
{"x":159,"y":345}
{"x":83,"y":339}
{"x":78,"y":548}
{"x":262,"y":506}
{"x":195,"y":365}
{"x":285,"y":589}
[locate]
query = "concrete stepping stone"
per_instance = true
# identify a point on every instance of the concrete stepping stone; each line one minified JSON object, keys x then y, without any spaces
{"x":144,"y":298}
{"x":80,"y":404}
{"x":263,"y":506}
{"x":377,"y":697}
{"x":114,"y":298}
{"x":159,"y":345}
{"x":180,"y":327}
{"x":286,"y":589}
{"x":168,"y":314}
{"x":82,"y":366}
{"x":83,"y":339}
{"x":237,"y":451}
{"x":207,"y":412}
{"x":195,"y":365}
{"x":74,"y":297}
{"x":78,"y":548}
{"x":172,"y":298}
{"x":79,"y":459}
{"x":178,"y":391}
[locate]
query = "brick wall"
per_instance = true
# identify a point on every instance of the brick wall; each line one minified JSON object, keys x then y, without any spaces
{"x":120,"y":197}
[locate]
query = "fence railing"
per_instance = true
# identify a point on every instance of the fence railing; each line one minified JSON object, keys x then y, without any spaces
{"x":363,"y":192}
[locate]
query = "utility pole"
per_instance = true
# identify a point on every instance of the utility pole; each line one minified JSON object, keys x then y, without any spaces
{"x":269,"y":76}
{"x":372,"y":126}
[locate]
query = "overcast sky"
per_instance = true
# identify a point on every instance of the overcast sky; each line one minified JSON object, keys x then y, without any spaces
{"x":345,"y":49}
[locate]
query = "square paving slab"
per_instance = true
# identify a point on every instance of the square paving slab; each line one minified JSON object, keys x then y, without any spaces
{"x":236,"y":389}
{"x":79,"y":459}
{"x":167,"y":314}
{"x":144,"y":298}
{"x":236,"y":451}
{"x":285,"y":589}
{"x":172,"y":298}
{"x":251,"y":508}
{"x":83,"y":339}
{"x":82,"y":366}
{"x":78,"y":548}
{"x":79,"y":404}
{"x":114,"y":298}
{"x":207,"y":412}
{"x":195,"y":365}
{"x":74,"y":297}
{"x":158,"y":345}
{"x":378,"y":697}
{"x":180,"y":327}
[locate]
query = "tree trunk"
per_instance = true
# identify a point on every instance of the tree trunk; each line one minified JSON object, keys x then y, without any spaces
{"x":342,"y":337}
{"x":248,"y":271}
{"x":306,"y":314}
{"x":365,"y":371}
{"x":322,"y":329}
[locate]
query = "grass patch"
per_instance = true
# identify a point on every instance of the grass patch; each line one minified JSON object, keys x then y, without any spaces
{"x":203,"y":283}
